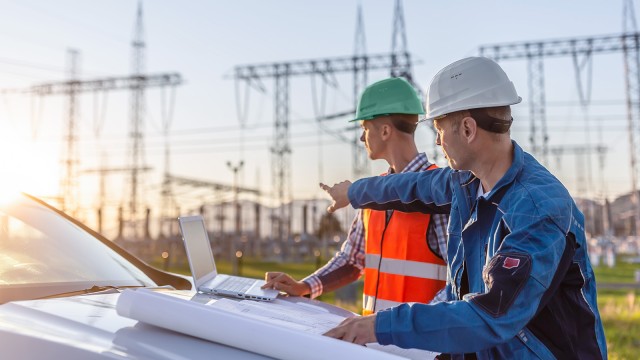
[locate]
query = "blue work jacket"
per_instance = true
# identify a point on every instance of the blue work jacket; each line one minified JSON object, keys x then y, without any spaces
{"x":519,"y":282}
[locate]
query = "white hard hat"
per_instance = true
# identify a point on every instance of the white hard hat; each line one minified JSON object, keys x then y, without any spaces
{"x":471,"y":83}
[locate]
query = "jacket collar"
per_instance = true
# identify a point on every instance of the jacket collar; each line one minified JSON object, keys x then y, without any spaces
{"x":513,"y":171}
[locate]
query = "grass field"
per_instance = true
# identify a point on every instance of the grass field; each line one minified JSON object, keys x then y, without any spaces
{"x":619,"y":308}
{"x":620,"y":311}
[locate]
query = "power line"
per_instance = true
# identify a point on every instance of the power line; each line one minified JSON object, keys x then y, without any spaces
{"x":40,"y":66}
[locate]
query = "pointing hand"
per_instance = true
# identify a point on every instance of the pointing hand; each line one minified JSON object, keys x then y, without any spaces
{"x":338,"y":193}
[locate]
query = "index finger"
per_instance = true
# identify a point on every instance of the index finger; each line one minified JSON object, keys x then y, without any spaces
{"x":325,"y":187}
{"x":270,"y":276}
{"x":336,"y":333}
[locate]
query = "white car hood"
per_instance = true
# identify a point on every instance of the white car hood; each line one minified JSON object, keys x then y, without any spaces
{"x":88,"y":327}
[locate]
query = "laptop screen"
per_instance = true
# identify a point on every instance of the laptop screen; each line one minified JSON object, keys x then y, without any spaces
{"x":198,"y":247}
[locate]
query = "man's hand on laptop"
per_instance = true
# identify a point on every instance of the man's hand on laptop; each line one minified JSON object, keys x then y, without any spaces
{"x":285,"y":283}
{"x":338,"y":193}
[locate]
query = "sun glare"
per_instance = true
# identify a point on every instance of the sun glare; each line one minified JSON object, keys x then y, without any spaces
{"x":28,"y":167}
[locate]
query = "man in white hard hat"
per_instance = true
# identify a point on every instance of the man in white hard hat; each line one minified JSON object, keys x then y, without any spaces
{"x":520,"y":285}
{"x":401,"y":255}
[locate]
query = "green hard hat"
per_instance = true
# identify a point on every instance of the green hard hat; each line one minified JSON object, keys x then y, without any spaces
{"x":388,"y":96}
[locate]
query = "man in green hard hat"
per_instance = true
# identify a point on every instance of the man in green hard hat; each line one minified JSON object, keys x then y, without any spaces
{"x":400,"y":254}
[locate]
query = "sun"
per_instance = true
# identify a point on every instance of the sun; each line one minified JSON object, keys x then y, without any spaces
{"x":28,"y":167}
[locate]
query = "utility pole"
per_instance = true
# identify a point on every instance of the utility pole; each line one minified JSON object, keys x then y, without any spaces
{"x":68,"y":183}
{"x":235,"y":254}
{"x":631,"y":50}
{"x":136,"y":136}
{"x":168,"y":203}
{"x":360,"y":81}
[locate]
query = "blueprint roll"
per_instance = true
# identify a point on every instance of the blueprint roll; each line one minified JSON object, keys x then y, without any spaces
{"x":233,"y":329}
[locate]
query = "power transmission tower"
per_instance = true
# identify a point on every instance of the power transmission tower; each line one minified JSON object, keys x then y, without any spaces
{"x":399,"y":63}
{"x":236,"y":204}
{"x":402,"y":63}
{"x":74,"y":87}
{"x":400,"y":57}
{"x":137,"y":159}
{"x":68,"y":184}
{"x":360,"y":81}
{"x":168,"y":203}
{"x":137,"y":83}
{"x":535,"y":51}
{"x":632,"y":84}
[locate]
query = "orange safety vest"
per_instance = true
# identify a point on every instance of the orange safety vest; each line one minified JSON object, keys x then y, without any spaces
{"x":399,"y":265}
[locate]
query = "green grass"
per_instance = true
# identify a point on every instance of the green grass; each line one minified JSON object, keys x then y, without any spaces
{"x":623,"y":272}
{"x":619,"y":308}
{"x":620,"y":311}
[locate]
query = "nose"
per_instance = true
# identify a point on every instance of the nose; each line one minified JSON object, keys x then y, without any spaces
{"x":362,"y":137}
{"x":438,"y":140}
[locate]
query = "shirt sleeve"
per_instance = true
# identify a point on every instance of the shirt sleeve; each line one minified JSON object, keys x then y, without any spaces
{"x":440,"y":296}
{"x":437,"y":235}
{"x":438,"y":240}
{"x":350,"y":259}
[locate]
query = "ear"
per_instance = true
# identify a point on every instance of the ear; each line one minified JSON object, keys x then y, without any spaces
{"x":385,"y":131}
{"x":469,"y":128}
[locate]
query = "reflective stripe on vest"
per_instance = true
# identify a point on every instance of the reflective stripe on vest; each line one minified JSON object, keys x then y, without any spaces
{"x":408,"y":268}
{"x":368,"y":303}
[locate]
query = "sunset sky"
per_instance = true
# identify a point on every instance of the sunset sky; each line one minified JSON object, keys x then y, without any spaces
{"x":204,"y":40}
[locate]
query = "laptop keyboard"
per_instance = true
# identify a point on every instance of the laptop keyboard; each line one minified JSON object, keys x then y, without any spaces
{"x":235,"y":284}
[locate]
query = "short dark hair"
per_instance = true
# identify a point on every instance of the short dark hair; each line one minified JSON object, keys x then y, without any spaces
{"x":406,"y":123}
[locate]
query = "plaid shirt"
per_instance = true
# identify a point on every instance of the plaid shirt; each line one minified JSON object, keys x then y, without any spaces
{"x":352,"y":251}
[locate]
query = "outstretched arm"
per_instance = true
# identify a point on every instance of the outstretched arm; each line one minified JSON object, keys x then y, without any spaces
{"x":338,"y":193}
{"x":425,"y":191}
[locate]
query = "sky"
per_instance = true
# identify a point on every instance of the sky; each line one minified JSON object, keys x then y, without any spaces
{"x":215,"y":122}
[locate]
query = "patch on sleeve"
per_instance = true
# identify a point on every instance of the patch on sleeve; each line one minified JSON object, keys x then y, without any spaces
{"x":510,"y":263}
{"x":504,"y":277}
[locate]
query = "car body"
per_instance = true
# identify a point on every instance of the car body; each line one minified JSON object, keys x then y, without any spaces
{"x":59,"y":285}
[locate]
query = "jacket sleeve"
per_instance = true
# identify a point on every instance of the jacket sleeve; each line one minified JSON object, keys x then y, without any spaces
{"x":425,"y":191}
{"x":518,"y":279}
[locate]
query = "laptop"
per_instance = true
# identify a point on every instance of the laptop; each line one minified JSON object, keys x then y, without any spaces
{"x":203,"y":267}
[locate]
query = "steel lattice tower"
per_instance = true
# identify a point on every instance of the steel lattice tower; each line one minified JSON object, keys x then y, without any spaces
{"x":630,"y":47}
{"x":68,"y":184}
{"x":137,"y":111}
{"x":627,"y":43}
{"x":398,"y":63}
{"x":360,"y":81}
